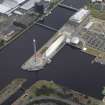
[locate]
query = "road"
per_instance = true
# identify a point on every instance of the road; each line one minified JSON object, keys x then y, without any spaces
{"x":52,"y":99}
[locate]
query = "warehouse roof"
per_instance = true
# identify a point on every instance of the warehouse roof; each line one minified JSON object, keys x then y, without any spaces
{"x":3,"y":8}
{"x":7,"y":5}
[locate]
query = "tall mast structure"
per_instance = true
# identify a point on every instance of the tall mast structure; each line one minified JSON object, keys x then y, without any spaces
{"x":34,"y":46}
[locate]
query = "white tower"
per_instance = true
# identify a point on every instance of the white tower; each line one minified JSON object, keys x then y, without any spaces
{"x":34,"y":45}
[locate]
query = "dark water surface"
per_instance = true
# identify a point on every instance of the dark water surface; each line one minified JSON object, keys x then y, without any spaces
{"x":69,"y":67}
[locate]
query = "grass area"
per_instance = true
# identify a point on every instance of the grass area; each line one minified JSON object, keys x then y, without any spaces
{"x":51,"y":89}
{"x":40,"y":87}
{"x":96,"y":12}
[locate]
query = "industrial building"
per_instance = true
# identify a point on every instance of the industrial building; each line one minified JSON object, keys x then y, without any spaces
{"x":9,"y":7}
{"x":79,"y":18}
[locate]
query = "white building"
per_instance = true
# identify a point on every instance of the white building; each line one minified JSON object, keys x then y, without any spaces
{"x":7,"y":6}
{"x":80,"y":15}
{"x":80,"y":19}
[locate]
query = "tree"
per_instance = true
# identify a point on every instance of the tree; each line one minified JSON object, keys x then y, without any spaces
{"x":103,"y":92}
{"x":1,"y":42}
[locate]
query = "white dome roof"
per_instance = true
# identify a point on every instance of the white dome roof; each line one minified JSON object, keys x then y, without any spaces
{"x":75,"y":40}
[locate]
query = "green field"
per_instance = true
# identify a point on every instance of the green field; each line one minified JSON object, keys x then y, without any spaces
{"x":96,"y":12}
